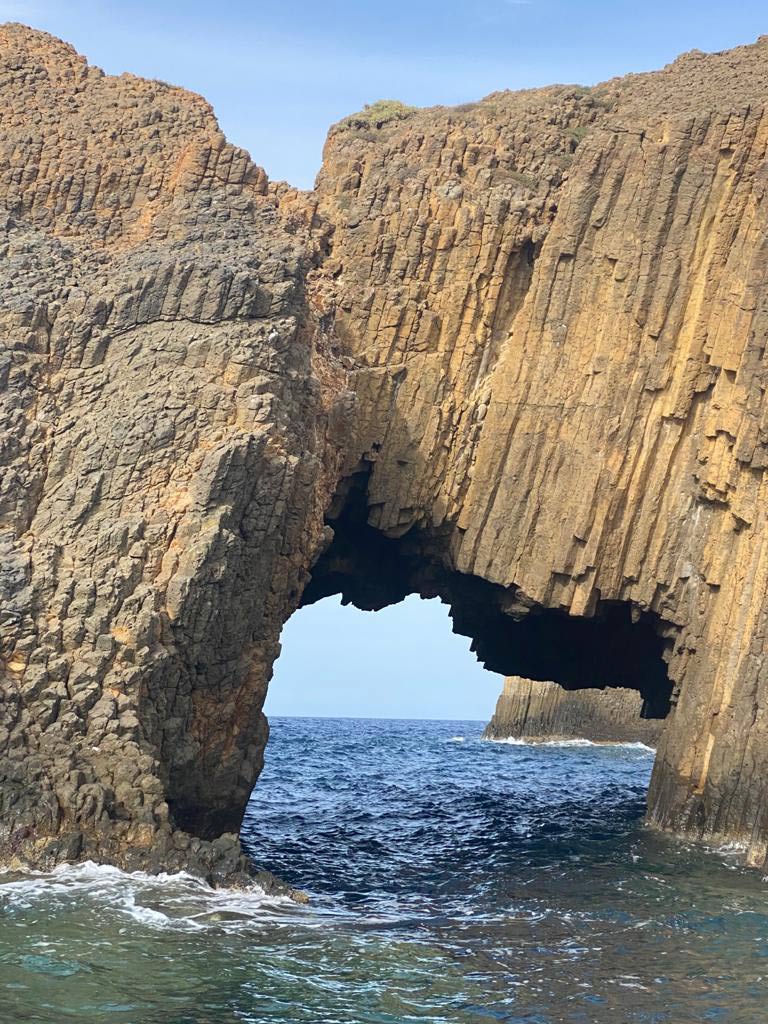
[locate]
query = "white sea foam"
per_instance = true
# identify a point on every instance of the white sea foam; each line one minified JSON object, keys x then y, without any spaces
{"x":457,"y":739}
{"x":576,"y":742}
{"x":179,"y":902}
{"x":515,"y":741}
{"x":734,"y":848}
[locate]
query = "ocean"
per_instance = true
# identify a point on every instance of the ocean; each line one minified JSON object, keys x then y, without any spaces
{"x":450,"y":880}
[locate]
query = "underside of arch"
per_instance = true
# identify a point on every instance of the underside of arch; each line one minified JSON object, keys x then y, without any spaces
{"x":511,"y":635}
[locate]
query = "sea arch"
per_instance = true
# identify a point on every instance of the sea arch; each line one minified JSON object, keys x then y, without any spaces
{"x":518,"y":346}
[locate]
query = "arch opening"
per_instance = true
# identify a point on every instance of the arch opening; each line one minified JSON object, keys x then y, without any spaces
{"x":618,"y":645}
{"x":511,"y":635}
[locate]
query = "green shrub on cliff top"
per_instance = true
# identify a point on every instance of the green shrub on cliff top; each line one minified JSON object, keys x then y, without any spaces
{"x":376,"y":115}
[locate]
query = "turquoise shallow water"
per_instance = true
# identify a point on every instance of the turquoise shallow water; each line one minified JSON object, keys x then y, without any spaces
{"x":452,"y":880}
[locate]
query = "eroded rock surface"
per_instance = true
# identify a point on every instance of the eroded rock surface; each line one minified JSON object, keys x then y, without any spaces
{"x":539,"y":712}
{"x":168,"y":452}
{"x":512,"y":354}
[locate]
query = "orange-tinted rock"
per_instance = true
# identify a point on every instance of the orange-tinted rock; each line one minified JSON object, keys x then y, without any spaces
{"x":557,"y":303}
{"x":512,"y":353}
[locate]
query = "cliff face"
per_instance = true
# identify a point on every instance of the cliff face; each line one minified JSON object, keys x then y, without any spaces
{"x":511,"y":354}
{"x":557,"y":301}
{"x":544,"y":711}
{"x":168,"y":452}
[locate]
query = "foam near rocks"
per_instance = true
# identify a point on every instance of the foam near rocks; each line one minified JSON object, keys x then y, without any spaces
{"x":576,"y":741}
{"x":167,"y":901}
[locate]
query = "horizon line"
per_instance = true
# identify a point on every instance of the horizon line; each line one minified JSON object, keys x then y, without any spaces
{"x":373,"y":718}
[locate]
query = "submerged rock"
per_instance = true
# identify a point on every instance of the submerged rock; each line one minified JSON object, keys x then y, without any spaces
{"x":537,"y":711}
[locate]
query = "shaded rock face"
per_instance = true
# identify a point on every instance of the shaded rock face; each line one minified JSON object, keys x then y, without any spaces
{"x":168,"y":447}
{"x":544,"y":711}
{"x":509,"y":354}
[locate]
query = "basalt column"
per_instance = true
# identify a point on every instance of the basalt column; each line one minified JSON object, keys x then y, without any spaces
{"x":169,"y":434}
{"x":541,"y":712}
{"x":518,"y":346}
{"x":556,"y":302}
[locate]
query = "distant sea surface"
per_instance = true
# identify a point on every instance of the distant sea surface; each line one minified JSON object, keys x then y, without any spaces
{"x":451,"y":880}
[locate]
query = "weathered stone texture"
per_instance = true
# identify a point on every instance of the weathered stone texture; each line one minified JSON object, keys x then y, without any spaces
{"x":168,"y":452}
{"x":533,"y":328}
{"x":558,"y":301}
{"x":541,"y":711}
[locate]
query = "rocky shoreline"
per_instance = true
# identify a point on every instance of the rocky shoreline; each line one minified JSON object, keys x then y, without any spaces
{"x":544,"y":712}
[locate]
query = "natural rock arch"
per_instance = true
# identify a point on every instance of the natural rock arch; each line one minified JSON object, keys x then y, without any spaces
{"x":372,"y":571}
{"x":520,"y":343}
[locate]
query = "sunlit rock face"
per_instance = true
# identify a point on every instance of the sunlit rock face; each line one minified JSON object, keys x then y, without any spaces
{"x":545,"y":712}
{"x":510,"y":354}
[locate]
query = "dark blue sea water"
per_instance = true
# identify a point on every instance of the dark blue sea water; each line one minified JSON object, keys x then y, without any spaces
{"x":451,"y":880}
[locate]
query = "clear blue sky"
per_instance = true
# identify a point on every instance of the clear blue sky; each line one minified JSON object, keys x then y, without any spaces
{"x":278,"y":74}
{"x":400,"y":662}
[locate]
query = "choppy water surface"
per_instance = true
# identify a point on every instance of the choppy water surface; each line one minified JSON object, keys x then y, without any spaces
{"x":452,"y":880}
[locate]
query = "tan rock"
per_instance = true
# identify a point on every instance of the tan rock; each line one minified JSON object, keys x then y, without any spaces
{"x":545,"y":712}
{"x":511,"y":354}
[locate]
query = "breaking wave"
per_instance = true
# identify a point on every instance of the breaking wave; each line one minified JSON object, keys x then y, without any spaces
{"x":575,"y":742}
{"x":179,"y":902}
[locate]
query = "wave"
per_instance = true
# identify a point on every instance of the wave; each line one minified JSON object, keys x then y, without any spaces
{"x":733,"y":848}
{"x":575,"y":742}
{"x":179,"y":902}
{"x":457,"y":739}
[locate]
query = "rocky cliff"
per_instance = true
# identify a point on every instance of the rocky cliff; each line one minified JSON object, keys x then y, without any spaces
{"x":169,"y":445}
{"x":539,"y":711}
{"x":511,"y":354}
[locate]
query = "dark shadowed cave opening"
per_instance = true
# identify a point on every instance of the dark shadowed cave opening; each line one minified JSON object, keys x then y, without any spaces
{"x":510,"y":635}
{"x":617,"y":646}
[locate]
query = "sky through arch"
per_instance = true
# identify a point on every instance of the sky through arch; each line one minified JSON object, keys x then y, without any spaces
{"x":400,"y":662}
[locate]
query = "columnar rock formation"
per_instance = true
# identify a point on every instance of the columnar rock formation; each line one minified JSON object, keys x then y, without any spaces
{"x":169,"y":448}
{"x":512,"y":354}
{"x":539,"y":711}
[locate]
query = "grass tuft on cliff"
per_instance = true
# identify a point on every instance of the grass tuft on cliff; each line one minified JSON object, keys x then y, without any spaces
{"x":376,"y":115}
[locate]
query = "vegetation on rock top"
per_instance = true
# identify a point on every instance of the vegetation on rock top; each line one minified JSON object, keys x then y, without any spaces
{"x":376,"y":115}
